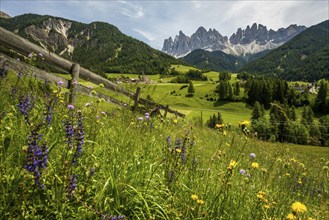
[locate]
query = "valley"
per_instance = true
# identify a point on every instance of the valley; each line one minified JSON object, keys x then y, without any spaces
{"x":252,"y":142}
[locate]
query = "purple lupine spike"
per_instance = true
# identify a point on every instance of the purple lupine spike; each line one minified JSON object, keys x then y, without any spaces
{"x":69,"y":132}
{"x":24,"y":107}
{"x":72,"y":185}
{"x":37,"y":157}
{"x":80,"y":135}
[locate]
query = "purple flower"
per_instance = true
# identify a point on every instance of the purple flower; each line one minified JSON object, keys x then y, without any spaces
{"x":147,"y":117}
{"x":79,"y":137}
{"x":37,"y":157}
{"x":74,"y":83}
{"x":19,"y":75}
{"x":18,"y":59}
{"x":73,"y":184}
{"x":147,"y":114}
{"x":40,"y":54}
{"x":60,"y":83}
{"x":70,"y":107}
{"x":24,"y":106}
{"x":168,"y":139}
{"x":252,"y":155}
{"x":69,"y":132}
{"x":92,"y":172}
{"x":30,"y":55}
{"x":90,"y":87}
{"x":242,"y":171}
{"x":140,"y":118}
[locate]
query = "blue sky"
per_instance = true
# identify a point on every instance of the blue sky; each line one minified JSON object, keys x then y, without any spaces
{"x":153,"y":21}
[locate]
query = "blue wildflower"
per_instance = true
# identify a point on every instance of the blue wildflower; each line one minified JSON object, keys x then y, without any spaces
{"x":72,"y":185}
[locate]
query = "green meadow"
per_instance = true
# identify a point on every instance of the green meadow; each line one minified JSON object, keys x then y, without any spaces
{"x":92,"y":160}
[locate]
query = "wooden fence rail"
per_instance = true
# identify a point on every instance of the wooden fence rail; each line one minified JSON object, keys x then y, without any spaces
{"x":15,"y":42}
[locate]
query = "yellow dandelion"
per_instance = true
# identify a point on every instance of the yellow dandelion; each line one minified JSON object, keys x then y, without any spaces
{"x":290,"y":216}
{"x":255,"y":165}
{"x":200,"y":201}
{"x":233,"y":163}
{"x":298,"y":207}
{"x":194,"y":197}
{"x":266,"y":206}
{"x":178,"y":150}
{"x":175,"y":121}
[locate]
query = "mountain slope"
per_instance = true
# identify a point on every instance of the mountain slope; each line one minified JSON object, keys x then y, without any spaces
{"x":254,"y":39}
{"x":98,"y":46}
{"x":218,"y":60}
{"x":305,"y":57}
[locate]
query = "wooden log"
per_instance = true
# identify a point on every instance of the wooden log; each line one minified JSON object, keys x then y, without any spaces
{"x":74,"y":83}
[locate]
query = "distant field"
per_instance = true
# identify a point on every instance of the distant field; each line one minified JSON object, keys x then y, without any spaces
{"x":182,"y":68}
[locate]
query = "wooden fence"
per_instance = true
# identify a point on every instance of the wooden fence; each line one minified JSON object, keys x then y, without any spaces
{"x":17,"y":43}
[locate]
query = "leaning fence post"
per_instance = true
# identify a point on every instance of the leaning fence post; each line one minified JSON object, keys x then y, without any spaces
{"x":75,"y":69}
{"x":138,"y":91}
{"x":166,"y":110}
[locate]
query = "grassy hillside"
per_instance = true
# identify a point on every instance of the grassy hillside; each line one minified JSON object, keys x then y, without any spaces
{"x":302,"y":58}
{"x":60,"y":161}
{"x":98,"y":46}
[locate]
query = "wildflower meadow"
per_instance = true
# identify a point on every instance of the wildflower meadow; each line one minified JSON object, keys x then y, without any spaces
{"x":92,"y":160}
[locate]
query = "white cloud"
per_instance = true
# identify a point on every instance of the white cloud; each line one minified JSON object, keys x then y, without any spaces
{"x":153,"y":21}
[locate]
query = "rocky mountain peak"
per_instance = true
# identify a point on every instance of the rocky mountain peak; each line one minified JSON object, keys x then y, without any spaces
{"x":252,"y":39}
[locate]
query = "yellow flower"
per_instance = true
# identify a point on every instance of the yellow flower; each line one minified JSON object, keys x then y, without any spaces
{"x":232,"y":165}
{"x":178,"y":150}
{"x":255,"y":165}
{"x":224,"y":133}
{"x":219,"y":125}
{"x":287,"y":174}
{"x":175,"y":121}
{"x":266,"y":206}
{"x":194,"y":197}
{"x":298,"y":207}
{"x":299,"y":181}
{"x":290,"y":216}
{"x":200,"y":201}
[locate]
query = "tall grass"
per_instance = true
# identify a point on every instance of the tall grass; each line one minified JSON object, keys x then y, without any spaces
{"x":92,"y":162}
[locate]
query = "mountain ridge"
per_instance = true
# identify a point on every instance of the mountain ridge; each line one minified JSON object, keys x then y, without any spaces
{"x":305,"y":57}
{"x":253,"y":39}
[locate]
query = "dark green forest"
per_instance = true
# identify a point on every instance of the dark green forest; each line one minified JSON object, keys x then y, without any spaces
{"x":305,"y":57}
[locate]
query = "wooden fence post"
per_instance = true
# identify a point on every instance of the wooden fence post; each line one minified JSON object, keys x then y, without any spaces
{"x":74,"y":82}
{"x":166,"y":110}
{"x":136,"y":98}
